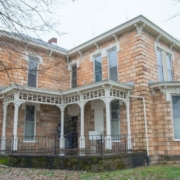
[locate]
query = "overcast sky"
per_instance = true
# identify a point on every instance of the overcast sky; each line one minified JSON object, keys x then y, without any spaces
{"x":85,"y":19}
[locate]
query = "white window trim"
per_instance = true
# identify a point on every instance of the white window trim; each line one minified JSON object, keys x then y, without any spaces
{"x":103,"y":51}
{"x":108,"y":63}
{"x":173,"y":117}
{"x":167,"y":50}
{"x":37,"y":71}
{"x":36,"y":109}
{"x":94,"y":66}
{"x":27,"y":54}
{"x":164,"y":50}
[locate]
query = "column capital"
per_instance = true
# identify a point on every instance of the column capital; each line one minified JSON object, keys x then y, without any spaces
{"x":18,"y":103}
{"x":107,"y":100}
{"x":61,"y":107}
{"x":81,"y":104}
{"x":127,"y":103}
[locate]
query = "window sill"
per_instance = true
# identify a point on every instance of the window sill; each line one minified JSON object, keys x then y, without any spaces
{"x":31,"y":141}
{"x":116,"y":140}
{"x":176,"y":139}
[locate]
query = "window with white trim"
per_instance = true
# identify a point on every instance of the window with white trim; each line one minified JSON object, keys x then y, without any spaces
{"x":98,"y":68}
{"x":32,"y":71}
{"x":112,"y":58}
{"x":160,"y":65}
{"x":176,"y":116}
{"x":169,"y":67}
{"x":115,"y":118}
{"x":74,"y":76}
{"x":29,"y":130}
{"x":164,"y":65}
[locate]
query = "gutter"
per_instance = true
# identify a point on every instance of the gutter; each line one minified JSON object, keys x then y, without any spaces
{"x":146,"y":128}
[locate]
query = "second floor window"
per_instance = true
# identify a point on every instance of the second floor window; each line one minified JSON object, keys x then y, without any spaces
{"x":160,"y":65}
{"x":112,"y":57}
{"x":98,"y":68}
{"x":32,"y":71}
{"x":74,"y":77}
{"x":169,"y":67}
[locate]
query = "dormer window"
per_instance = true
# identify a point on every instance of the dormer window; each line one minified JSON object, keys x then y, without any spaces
{"x":32,"y":71}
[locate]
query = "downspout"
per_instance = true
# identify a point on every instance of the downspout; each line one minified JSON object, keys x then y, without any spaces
{"x":146,"y":128}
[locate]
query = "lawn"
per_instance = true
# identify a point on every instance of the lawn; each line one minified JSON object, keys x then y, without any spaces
{"x":157,"y":172}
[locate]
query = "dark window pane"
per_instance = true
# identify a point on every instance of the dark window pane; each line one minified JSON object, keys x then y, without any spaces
{"x":98,"y":76}
{"x":74,"y":83}
{"x":98,"y":68}
{"x":115,"y":118}
{"x":32,"y":80}
{"x":169,"y":67}
{"x":176,"y":116}
{"x":113,"y":73}
{"x":160,"y":73}
{"x":33,"y":63}
{"x":112,"y":56}
{"x":74,"y":76}
{"x":29,"y":123}
{"x":159,"y":57}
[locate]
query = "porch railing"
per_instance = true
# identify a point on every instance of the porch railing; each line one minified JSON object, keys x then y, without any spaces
{"x":71,"y":144}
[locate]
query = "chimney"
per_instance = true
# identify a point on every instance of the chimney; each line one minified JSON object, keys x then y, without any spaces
{"x":53,"y":41}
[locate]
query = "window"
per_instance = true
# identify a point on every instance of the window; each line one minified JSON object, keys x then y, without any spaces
{"x":115,"y":118}
{"x":169,"y":67}
{"x":112,"y":57}
{"x":74,"y":76}
{"x":32,"y":71}
{"x":160,"y":65}
{"x":98,"y":68}
{"x":176,"y":116}
{"x":30,"y":123}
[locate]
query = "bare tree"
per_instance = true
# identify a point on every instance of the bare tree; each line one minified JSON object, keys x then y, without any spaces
{"x":18,"y":19}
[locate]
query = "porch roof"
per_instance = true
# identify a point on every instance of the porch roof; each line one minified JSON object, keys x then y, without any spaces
{"x":164,"y":84}
{"x":65,"y":92}
{"x":54,"y":97}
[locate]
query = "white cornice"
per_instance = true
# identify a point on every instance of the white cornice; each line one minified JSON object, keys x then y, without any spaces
{"x":123,"y":28}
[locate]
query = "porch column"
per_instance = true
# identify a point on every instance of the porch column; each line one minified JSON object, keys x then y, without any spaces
{"x":82,"y":138}
{"x":62,"y":139}
{"x":3,"y":138}
{"x":17,"y":103}
{"x":108,"y":140}
{"x":107,"y":100}
{"x":129,"y":145}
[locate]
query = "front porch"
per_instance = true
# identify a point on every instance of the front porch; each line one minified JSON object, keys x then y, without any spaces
{"x":101,"y":136}
{"x":50,"y":146}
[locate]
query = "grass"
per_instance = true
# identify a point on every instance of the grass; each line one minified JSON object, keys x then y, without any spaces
{"x":158,"y":172}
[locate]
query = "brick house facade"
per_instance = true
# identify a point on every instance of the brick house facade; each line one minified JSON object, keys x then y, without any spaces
{"x":134,"y":61}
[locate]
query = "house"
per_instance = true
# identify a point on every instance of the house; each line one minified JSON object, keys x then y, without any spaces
{"x":123,"y":82}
